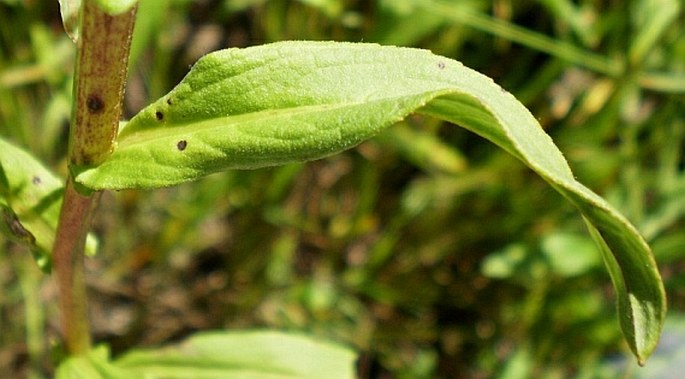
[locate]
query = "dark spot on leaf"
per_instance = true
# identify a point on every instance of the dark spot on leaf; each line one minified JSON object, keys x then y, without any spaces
{"x":168,"y":101}
{"x":94,"y":103}
{"x":36,"y":180}
{"x":159,"y":115}
{"x":182,"y":144}
{"x":441,"y":65}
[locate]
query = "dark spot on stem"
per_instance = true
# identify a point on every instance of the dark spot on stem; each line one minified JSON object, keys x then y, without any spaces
{"x":441,"y":65}
{"x":36,"y":180}
{"x":182,"y":144}
{"x":159,"y":115}
{"x":94,"y":103}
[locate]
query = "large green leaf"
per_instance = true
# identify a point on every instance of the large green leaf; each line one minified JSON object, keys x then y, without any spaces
{"x":297,"y":101}
{"x":209,"y":355}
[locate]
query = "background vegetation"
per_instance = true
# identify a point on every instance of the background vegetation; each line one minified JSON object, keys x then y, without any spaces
{"x":427,"y":249}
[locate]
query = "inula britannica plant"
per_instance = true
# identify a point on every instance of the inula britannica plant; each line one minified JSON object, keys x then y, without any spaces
{"x":252,"y":108}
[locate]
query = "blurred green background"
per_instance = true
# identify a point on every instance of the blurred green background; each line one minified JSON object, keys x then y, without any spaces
{"x":427,"y":249}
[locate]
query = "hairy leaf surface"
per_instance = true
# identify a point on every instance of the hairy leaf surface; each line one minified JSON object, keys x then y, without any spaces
{"x":298,"y":101}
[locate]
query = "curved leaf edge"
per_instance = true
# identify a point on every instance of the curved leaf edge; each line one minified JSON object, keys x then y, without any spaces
{"x":641,"y":296}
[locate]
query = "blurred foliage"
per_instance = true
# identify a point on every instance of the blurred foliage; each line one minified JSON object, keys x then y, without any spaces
{"x":427,"y":249}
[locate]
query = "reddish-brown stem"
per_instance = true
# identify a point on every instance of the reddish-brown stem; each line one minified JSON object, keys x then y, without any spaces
{"x":103,"y":50}
{"x":68,"y":257}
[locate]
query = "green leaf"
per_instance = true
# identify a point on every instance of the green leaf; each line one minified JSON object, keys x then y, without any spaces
{"x":247,"y":355}
{"x":69,"y":9}
{"x":569,"y":254}
{"x":298,"y":101}
{"x":654,"y":17}
{"x":115,"y":7}
{"x":30,"y":201}
{"x":93,"y":365}
{"x":425,"y":150}
{"x":30,"y":198}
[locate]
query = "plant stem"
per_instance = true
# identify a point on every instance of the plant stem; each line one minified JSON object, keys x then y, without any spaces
{"x":68,"y":256}
{"x":103,"y":50}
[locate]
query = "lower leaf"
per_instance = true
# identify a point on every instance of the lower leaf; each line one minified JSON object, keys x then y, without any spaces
{"x":246,"y":354}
